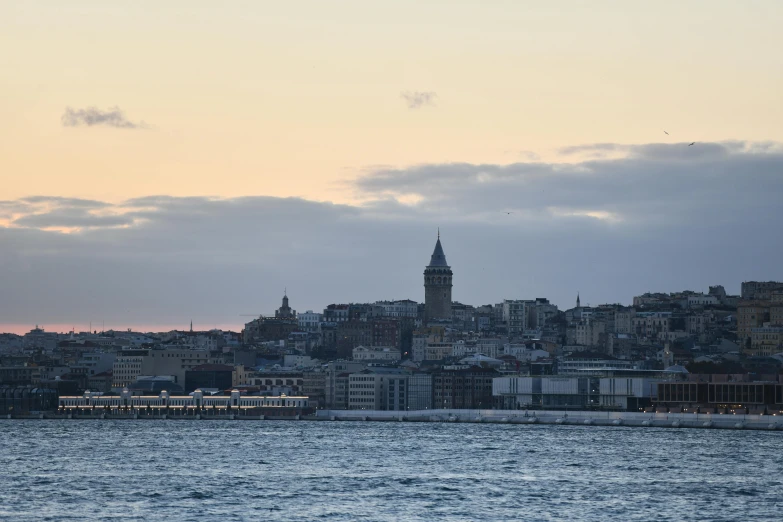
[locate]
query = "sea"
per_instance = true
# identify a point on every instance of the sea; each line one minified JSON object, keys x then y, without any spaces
{"x":206,"y":470}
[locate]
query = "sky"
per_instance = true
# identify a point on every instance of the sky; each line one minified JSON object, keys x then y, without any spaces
{"x":190,"y":160}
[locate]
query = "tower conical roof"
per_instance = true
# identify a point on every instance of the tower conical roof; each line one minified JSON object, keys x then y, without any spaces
{"x":438,"y":257}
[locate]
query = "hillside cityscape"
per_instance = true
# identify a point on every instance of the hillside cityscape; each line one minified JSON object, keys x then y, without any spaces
{"x":673,"y":352}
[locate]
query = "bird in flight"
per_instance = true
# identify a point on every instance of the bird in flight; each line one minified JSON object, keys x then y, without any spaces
{"x":509,"y":212}
{"x":692,"y":143}
{"x":666,"y":133}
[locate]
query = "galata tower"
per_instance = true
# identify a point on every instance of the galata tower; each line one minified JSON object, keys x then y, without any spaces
{"x":437,"y":286}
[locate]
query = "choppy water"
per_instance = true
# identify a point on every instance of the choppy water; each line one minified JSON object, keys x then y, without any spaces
{"x":290,"y":471}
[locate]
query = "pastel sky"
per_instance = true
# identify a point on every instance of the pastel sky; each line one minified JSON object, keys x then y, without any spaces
{"x":196,"y":149}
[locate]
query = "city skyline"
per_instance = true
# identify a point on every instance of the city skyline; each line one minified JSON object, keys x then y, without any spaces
{"x":197,"y":162}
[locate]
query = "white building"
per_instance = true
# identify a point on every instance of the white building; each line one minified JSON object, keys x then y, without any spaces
{"x":404,"y":308}
{"x":197,"y":402}
{"x":310,"y":321}
{"x":376,"y":353}
{"x":699,"y":300}
{"x":578,"y":363}
{"x":96,"y":362}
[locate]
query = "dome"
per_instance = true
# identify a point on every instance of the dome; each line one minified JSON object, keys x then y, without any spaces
{"x":676,"y":369}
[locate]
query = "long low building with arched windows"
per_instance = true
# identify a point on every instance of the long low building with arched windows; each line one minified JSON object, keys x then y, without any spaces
{"x":196,"y":403}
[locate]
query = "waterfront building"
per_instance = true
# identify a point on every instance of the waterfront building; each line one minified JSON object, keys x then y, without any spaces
{"x":26,"y":399}
{"x":621,"y":390}
{"x":420,"y":391}
{"x":336,"y":382}
{"x":378,"y":389}
{"x":437,"y":286}
{"x":314,"y":387}
{"x":465,"y":388}
{"x":723,"y":397}
{"x":195,"y":403}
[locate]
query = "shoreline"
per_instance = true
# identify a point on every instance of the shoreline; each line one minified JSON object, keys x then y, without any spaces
{"x":545,"y":417}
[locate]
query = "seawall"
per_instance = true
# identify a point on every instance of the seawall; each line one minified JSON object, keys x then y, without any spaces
{"x":574,"y":418}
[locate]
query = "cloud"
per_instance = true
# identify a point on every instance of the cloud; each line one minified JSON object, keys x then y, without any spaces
{"x":651,"y":184}
{"x":611,"y":228}
{"x":72,"y":218}
{"x":91,"y":116}
{"x":418,"y":99}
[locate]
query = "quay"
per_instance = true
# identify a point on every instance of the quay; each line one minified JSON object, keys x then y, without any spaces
{"x":573,"y":418}
{"x":531,"y":417}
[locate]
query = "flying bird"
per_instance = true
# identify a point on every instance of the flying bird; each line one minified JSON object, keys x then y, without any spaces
{"x":692,"y":143}
{"x":666,"y":133}
{"x":509,"y":212}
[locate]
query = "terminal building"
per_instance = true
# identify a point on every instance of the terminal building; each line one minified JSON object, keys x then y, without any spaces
{"x":197,"y":403}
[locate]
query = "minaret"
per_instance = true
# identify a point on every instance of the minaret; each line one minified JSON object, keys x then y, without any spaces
{"x":191,"y":325}
{"x":577,"y":300}
{"x":437,"y":286}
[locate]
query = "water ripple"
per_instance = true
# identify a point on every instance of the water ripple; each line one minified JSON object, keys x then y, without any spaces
{"x":337,"y":471}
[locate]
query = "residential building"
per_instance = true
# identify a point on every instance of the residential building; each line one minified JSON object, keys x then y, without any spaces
{"x":515,"y":314}
{"x":396,"y":309}
{"x":336,"y":313}
{"x":750,"y":314}
{"x":310,"y":321}
{"x":759,"y":290}
{"x":765,"y":340}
